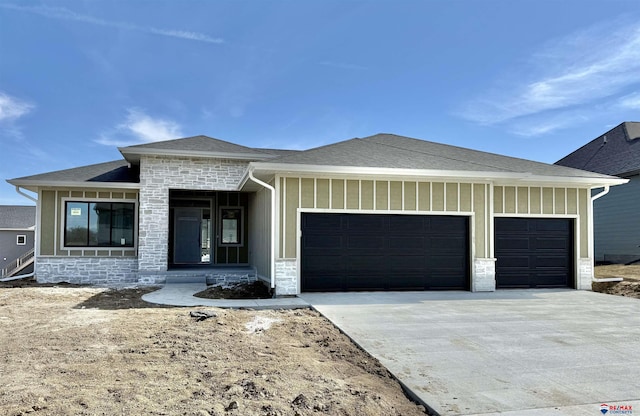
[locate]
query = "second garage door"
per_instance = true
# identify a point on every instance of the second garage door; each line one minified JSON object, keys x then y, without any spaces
{"x":534,"y":252}
{"x":343,"y":252}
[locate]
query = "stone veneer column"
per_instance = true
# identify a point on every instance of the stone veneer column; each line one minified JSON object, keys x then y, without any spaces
{"x":585,"y":274}
{"x":484,"y":275}
{"x":286,"y":277}
{"x":159,"y":174}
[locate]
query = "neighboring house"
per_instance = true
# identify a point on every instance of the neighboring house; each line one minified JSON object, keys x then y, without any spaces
{"x":616,"y":220}
{"x":17,"y":232}
{"x":383,"y":212}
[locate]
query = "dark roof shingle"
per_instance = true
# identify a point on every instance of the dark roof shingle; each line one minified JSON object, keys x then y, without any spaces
{"x":617,"y":152}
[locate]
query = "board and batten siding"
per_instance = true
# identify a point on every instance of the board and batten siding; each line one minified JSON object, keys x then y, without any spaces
{"x":52,"y":220}
{"x":380,"y":195}
{"x":259,"y":226}
{"x":523,"y":201}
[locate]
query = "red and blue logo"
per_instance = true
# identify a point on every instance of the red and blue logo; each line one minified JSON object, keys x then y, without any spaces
{"x":604,"y":408}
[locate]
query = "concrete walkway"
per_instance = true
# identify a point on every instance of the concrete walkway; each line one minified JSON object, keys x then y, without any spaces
{"x":517,"y":352}
{"x":181,"y":294}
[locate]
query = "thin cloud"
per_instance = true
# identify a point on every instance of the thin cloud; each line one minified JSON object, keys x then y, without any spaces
{"x":578,"y":70}
{"x":631,"y":101}
{"x":66,"y":14}
{"x":12,"y":108}
{"x":139,"y":128}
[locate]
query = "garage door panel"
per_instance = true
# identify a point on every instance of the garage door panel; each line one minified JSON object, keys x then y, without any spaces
{"x":551,"y":243}
{"x":366,"y":224}
{"x":513,"y":243}
{"x":547,"y":258}
{"x":442,"y":244}
{"x":365,"y":242}
{"x":407,"y":243}
{"x":321,"y":222}
{"x":323,"y":241}
{"x":365,"y":263}
{"x":323,"y":264}
{"x":389,"y":252}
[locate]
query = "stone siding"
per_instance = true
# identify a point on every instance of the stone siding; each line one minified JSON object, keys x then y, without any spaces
{"x":585,"y":274}
{"x":160,"y":174}
{"x":484,"y":275}
{"x":107,"y":271}
{"x":286,"y":277}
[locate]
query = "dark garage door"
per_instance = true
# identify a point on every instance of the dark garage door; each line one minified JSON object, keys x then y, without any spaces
{"x":342,"y":252}
{"x":534,"y":252}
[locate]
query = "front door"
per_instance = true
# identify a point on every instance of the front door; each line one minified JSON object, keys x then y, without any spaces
{"x":187,"y":236}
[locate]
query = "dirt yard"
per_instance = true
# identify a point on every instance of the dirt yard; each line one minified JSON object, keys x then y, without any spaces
{"x":89,"y":351}
{"x":629,"y":287}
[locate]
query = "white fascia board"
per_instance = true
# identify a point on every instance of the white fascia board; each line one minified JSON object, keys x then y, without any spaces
{"x":127,"y":153}
{"x":33,"y":185}
{"x":18,"y":229}
{"x":506,"y":177}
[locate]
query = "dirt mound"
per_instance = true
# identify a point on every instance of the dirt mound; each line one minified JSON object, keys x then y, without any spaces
{"x":255,"y":290}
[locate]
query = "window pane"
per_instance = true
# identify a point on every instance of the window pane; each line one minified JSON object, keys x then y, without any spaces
{"x":76,"y":231}
{"x":122,"y":220}
{"x":100,"y":224}
{"x":231,"y":226}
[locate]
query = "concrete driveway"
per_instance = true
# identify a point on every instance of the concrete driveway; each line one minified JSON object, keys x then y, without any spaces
{"x":519,"y":352}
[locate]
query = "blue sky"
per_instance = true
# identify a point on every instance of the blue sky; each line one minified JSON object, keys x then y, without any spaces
{"x":532,"y":79}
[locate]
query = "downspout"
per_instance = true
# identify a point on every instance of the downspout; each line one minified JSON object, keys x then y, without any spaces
{"x":24,"y":276}
{"x":272,"y":250}
{"x":591,"y":248}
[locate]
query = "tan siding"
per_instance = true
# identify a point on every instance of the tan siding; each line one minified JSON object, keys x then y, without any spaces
{"x":479,"y":207}
{"x":395,"y":193}
{"x":452,"y":196}
{"x":437,"y":197}
{"x":291,"y":217}
{"x":523,"y":200}
{"x":353,"y":194}
{"x":410,"y":196}
{"x":584,"y":223}
{"x":382,"y":195}
{"x":559,"y":201}
{"x":47,"y":223}
{"x":424,"y":196}
{"x":307,"y":193}
{"x":509,"y":199}
{"x":367,"y":194}
{"x":572,"y":206}
{"x":465,"y":197}
{"x":535,"y":196}
{"x":547,"y":200}
{"x":322,"y":193}
{"x":498,"y":199}
{"x":337,"y":194}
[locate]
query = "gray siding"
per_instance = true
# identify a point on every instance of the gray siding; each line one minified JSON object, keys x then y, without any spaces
{"x":616,"y":223}
{"x":9,"y":250}
{"x":260,"y":232}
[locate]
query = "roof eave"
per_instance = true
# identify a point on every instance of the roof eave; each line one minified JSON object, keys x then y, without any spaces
{"x":133,"y":155}
{"x":485,"y":176}
{"x":34,"y":185}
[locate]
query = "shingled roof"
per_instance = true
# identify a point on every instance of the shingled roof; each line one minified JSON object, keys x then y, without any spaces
{"x":117,"y":171}
{"x":617,"y":152}
{"x":399,"y":152}
{"x":17,"y":217}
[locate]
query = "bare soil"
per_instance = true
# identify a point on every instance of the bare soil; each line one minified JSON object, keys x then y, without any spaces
{"x":629,"y":287}
{"x":88,"y":351}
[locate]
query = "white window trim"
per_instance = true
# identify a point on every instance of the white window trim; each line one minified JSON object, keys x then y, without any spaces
{"x":22,"y":237}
